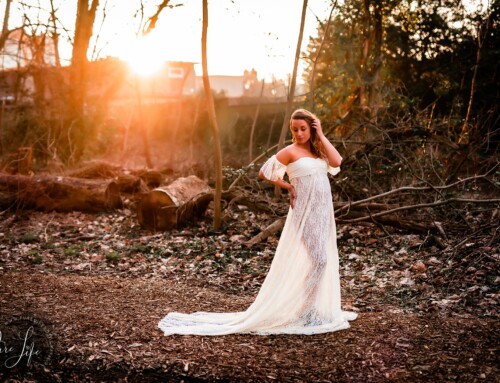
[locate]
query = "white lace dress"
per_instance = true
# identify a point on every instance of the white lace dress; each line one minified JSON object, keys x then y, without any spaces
{"x":301,"y":292}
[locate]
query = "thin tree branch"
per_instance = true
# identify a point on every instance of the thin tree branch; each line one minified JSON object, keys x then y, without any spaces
{"x":418,"y":206}
{"x":416,"y":188}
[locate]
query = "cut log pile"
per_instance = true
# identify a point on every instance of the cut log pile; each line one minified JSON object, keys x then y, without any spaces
{"x":100,"y":186}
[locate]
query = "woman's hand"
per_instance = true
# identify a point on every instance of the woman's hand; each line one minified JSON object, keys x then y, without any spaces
{"x":333,"y":156}
{"x":293,"y":195}
{"x":316,"y":125}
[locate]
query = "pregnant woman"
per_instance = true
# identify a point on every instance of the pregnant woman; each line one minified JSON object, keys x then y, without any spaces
{"x":301,"y":293}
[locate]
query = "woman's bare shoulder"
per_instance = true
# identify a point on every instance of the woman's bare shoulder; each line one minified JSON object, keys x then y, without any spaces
{"x":286,"y":155}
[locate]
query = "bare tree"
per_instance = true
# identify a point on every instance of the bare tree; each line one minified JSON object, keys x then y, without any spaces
{"x":212,"y":119}
{"x":374,"y":92}
{"x":143,"y":127}
{"x":151,"y":23}
{"x":291,"y":93}
{"x":55,"y":34}
{"x":254,"y":122}
{"x":83,"y":32}
{"x":5,"y":27}
{"x":482,"y":32}
{"x":318,"y":53}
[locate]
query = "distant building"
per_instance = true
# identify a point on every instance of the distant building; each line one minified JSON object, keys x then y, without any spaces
{"x":175,"y":79}
{"x":111,"y":79}
{"x":247,"y":86}
{"x":229,"y":86}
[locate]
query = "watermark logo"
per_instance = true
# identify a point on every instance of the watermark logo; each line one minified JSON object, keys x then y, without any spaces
{"x":25,"y":341}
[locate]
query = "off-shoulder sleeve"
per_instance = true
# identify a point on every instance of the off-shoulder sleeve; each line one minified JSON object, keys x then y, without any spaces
{"x":273,"y":169}
{"x":333,"y":171}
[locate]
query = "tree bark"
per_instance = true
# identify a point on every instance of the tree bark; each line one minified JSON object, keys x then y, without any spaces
{"x":212,"y":119}
{"x":254,"y":122}
{"x":374,"y":92}
{"x":83,"y":32}
{"x":267,"y":232}
{"x":64,"y":194}
{"x":363,"y":59}
{"x":158,"y":209}
{"x":480,"y":40}
{"x":5,"y":27}
{"x":291,"y":93}
{"x":316,"y":57}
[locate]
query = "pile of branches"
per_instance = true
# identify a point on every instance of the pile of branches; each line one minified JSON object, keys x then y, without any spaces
{"x":408,"y":175}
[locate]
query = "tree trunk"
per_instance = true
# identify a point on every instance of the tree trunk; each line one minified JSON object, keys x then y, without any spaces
{"x":374,"y":92}
{"x":480,"y":40}
{"x":158,"y":209}
{"x":212,"y":119}
{"x":64,"y":194}
{"x":5,"y":27}
{"x":316,"y":57}
{"x":267,"y":232}
{"x":291,"y":93}
{"x":254,"y":123}
{"x":143,"y":127}
{"x":83,"y":32}
{"x":363,"y":60}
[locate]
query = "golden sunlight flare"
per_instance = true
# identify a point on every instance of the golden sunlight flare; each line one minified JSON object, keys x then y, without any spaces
{"x":145,"y":56}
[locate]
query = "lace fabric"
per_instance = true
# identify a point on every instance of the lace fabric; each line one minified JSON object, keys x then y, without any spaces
{"x":301,"y":292}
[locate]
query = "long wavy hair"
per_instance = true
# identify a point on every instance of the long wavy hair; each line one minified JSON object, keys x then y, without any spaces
{"x":315,"y":144}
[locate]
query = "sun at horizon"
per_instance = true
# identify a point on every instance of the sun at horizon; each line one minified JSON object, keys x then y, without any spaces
{"x":144,"y":56}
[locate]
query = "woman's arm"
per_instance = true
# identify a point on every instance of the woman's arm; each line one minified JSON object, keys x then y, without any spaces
{"x":285,"y":185}
{"x":334,"y":157}
{"x":283,"y":158}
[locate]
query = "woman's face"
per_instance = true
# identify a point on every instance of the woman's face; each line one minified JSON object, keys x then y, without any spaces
{"x":301,"y":131}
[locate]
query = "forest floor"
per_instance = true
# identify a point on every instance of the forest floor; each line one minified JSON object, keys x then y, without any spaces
{"x":92,"y":287}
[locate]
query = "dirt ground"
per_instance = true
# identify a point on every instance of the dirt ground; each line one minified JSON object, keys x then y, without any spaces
{"x":93,"y":288}
{"x":104,"y":329}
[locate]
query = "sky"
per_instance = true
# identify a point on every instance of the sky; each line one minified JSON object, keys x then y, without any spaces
{"x":242,"y":34}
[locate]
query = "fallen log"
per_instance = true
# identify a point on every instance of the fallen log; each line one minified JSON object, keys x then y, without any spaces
{"x":160,"y":209}
{"x":268,"y":231}
{"x":56,"y":193}
{"x":131,"y":184}
{"x":152,"y":178}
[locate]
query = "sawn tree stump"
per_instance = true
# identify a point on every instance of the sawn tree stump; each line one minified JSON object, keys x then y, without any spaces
{"x":159,"y":209}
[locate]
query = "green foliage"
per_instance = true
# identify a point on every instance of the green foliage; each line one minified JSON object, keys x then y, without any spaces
{"x":113,"y":257}
{"x":36,"y":259}
{"x":142,"y":248}
{"x":73,"y":250}
{"x":399,"y":55}
{"x":29,"y":238}
{"x":147,"y":249}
